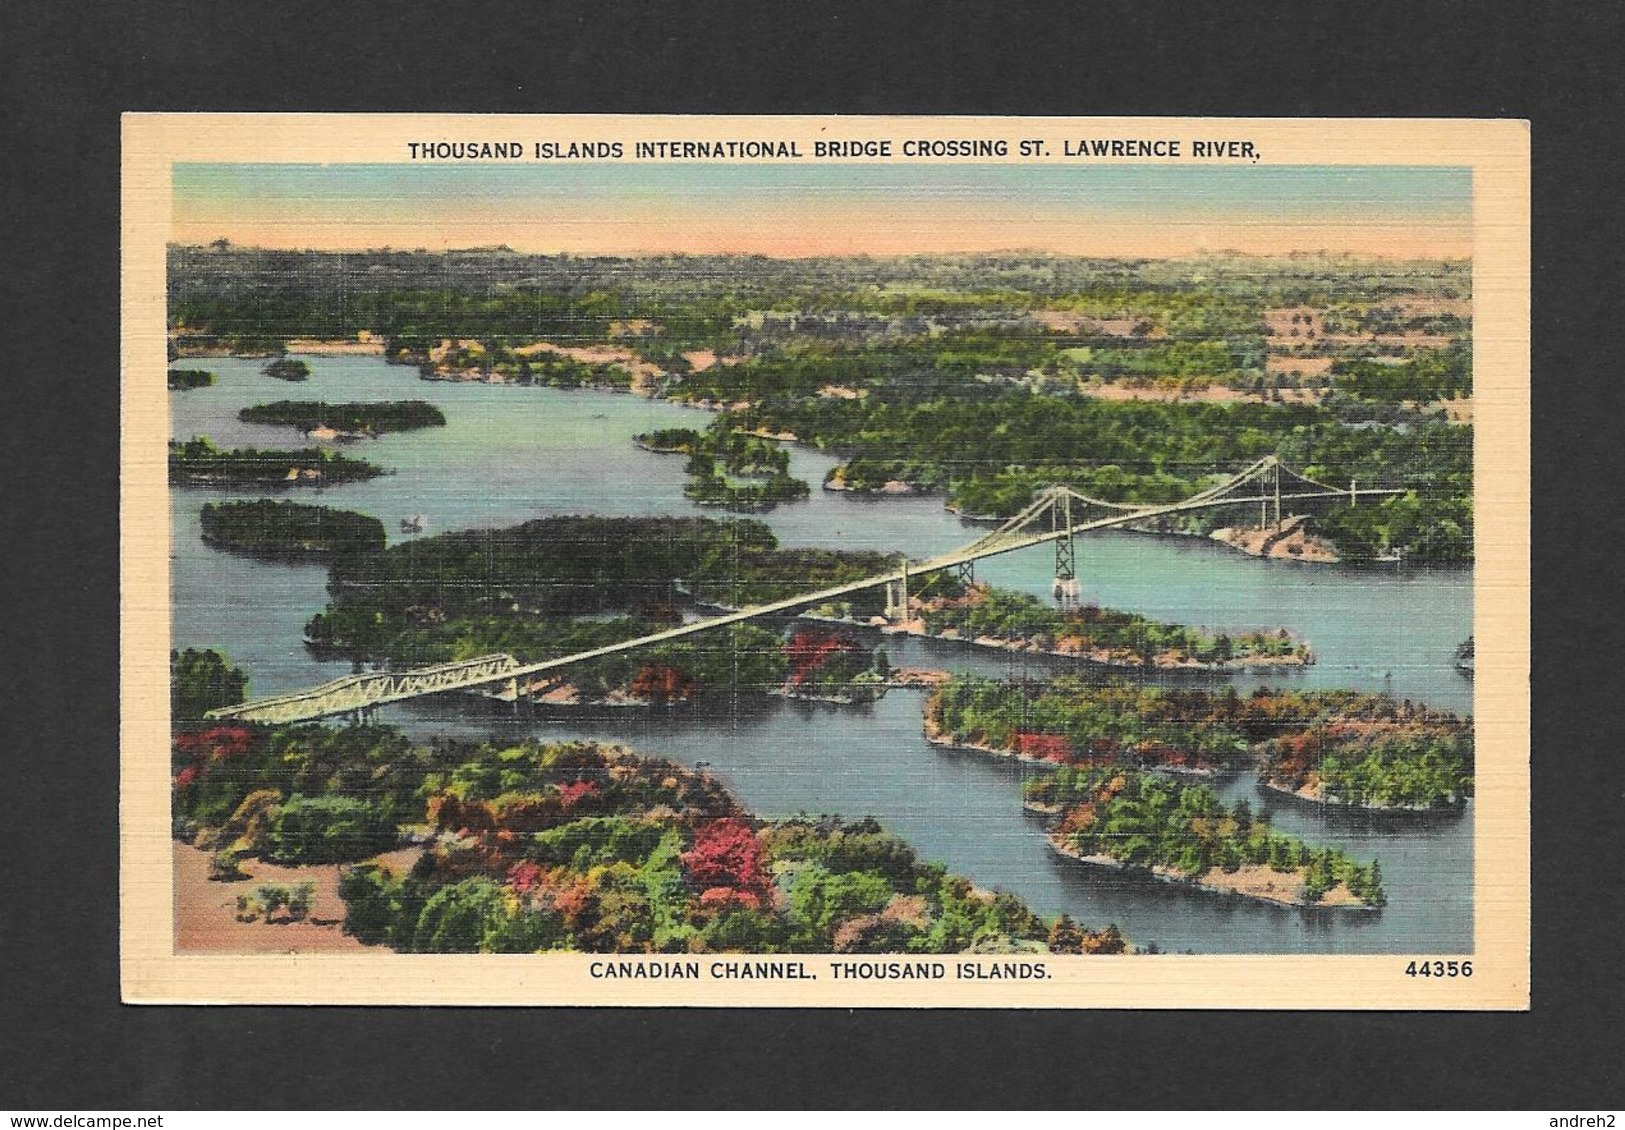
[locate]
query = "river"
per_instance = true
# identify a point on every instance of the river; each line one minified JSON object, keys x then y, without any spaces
{"x":511,"y":454}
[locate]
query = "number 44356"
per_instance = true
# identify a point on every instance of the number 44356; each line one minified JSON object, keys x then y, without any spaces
{"x":1439,"y":969}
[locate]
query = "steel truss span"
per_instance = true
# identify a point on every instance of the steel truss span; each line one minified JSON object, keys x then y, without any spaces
{"x":1058,"y":515}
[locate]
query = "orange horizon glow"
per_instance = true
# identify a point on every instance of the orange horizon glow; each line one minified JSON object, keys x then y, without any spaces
{"x":838,"y":243}
{"x":800,"y":214}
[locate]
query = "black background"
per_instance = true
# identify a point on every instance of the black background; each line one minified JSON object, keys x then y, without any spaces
{"x":66,"y":1042}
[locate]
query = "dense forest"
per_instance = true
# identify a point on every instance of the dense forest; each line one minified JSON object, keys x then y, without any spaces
{"x":990,"y":451}
{"x":1070,"y":721}
{"x":972,"y":376}
{"x":1434,"y":374}
{"x":493,"y":357}
{"x":290,"y":530}
{"x":577,"y":566}
{"x":1146,"y":821}
{"x":1416,"y":760}
{"x":198,"y":462}
{"x":376,"y":419}
{"x":575,"y":846}
{"x":1343,"y":747}
{"x":1103,"y":634}
{"x":227,"y":294}
{"x":557,"y":586}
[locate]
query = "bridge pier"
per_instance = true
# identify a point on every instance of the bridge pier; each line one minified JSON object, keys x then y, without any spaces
{"x":897,"y":596}
{"x":1066,"y":554}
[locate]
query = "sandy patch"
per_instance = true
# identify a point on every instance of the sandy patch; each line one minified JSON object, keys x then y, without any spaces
{"x":1414,"y":340}
{"x":1067,"y":321}
{"x":1458,"y":411}
{"x":1291,"y":542}
{"x":1294,"y":323}
{"x":1288,"y":365}
{"x":449,"y":345}
{"x":645,"y":374}
{"x":590,"y":354}
{"x":340,"y":347}
{"x":1258,"y":881}
{"x":1339,"y":895}
{"x":1291,"y":325}
{"x":1263,"y":881}
{"x":1427,"y":306}
{"x":205,"y":911}
{"x":918,"y":677}
{"x":1209,"y":394}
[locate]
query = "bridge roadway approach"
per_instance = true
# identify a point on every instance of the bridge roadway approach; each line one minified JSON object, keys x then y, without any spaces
{"x":499,"y":675}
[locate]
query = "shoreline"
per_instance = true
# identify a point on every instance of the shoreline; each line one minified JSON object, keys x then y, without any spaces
{"x":832,"y":699}
{"x":1097,"y":657}
{"x":306,"y":477}
{"x":1289,"y":541}
{"x":568,"y":696}
{"x":653,"y":391}
{"x":293,"y":555}
{"x":1451,"y":806}
{"x":891,"y":488}
{"x":1207,"y":884}
{"x":934,"y":736}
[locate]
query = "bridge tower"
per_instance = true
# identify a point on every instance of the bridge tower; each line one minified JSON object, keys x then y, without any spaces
{"x":897,"y":595}
{"x":1276,"y":475}
{"x":1269,"y":496}
{"x":1066,"y":551}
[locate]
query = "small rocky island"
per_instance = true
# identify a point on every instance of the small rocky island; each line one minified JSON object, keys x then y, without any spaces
{"x":346,"y":421}
{"x":198,"y":462}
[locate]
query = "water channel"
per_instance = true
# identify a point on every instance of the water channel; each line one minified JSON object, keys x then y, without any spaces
{"x":510,"y":454}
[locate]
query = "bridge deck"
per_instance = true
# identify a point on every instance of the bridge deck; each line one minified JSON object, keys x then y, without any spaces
{"x":359,"y":692}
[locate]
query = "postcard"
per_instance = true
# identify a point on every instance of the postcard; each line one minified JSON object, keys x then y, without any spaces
{"x":825,"y":561}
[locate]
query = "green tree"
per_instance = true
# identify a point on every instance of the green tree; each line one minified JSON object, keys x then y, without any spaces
{"x":329,"y":829}
{"x":201,"y":680}
{"x":372,"y":902}
{"x":458,"y":917}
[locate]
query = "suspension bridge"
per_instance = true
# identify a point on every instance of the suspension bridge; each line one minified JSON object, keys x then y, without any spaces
{"x":1059,"y":514}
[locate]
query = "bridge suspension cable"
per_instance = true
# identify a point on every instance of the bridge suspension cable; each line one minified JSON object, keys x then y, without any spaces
{"x":355,"y":694}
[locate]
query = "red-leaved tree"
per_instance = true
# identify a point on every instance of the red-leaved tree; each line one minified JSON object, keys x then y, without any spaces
{"x":725,"y":864}
{"x":807,"y":652}
{"x":197,"y":750}
{"x":661,"y":682}
{"x":1045,"y":747}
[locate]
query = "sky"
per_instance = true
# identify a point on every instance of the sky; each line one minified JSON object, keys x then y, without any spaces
{"x":799,"y":210}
